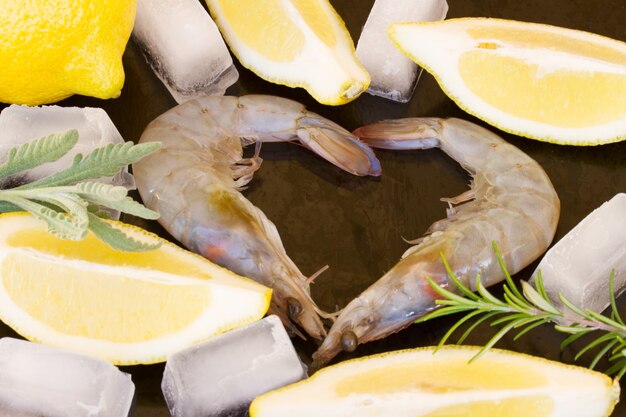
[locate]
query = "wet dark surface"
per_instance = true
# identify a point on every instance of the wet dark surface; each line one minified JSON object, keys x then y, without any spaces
{"x":356,"y":225}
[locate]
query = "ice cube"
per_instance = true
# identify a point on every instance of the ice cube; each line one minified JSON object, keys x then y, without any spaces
{"x":42,"y":381}
{"x":394,"y":76}
{"x":222,"y":376}
{"x":579,"y":265}
{"x":21,"y":124}
{"x":184,"y":48}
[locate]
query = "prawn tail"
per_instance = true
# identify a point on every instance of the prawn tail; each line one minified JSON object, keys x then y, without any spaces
{"x":409,"y":133}
{"x":338,"y":146}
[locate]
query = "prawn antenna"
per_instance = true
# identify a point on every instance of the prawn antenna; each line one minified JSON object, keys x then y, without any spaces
{"x":313,"y":277}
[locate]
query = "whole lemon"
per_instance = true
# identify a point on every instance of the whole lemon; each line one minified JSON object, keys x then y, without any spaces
{"x":50,"y":50}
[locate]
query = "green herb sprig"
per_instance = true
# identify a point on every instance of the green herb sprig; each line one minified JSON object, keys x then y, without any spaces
{"x":528,"y":309}
{"x":67,"y":201}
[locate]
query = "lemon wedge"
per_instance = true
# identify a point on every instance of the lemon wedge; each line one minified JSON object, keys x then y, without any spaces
{"x":298,"y":43}
{"x":543,"y":82}
{"x":418,"y":383}
{"x":126,"y":307}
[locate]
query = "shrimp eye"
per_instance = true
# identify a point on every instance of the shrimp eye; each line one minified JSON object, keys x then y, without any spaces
{"x":349,"y":341}
{"x":295,"y":308}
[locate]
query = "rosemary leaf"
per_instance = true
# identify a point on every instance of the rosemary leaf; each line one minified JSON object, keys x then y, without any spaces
{"x":456,"y":326}
{"x":512,"y":297}
{"x":513,"y":301}
{"x":603,"y":319}
{"x":446,"y":311}
{"x":441,"y":302}
{"x":620,"y":346}
{"x":499,"y":335}
{"x":541,"y":288}
{"x":614,"y":312}
{"x":459,"y":285}
{"x":476,"y":324}
{"x":538,"y":322}
{"x":508,"y":318}
{"x":594,"y":343}
{"x":531,"y":294}
{"x":618,"y":368}
{"x":567,"y":303}
{"x":617,"y":355}
{"x":445,"y":293}
{"x":574,"y":337}
{"x":575,"y":329}
{"x":482,"y":290}
{"x":601,"y":353}
{"x":507,"y":277}
{"x":622,"y":370}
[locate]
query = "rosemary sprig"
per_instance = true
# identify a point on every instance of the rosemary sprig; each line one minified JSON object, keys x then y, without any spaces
{"x":528,"y":309}
{"x":66,"y":200}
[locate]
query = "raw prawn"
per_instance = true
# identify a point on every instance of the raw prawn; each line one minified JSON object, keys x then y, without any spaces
{"x":511,"y":202}
{"x":194,"y":179}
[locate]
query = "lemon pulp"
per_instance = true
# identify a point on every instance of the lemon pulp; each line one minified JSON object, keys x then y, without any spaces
{"x":316,"y":19}
{"x":452,"y":375}
{"x":520,"y":88}
{"x":92,"y":249}
{"x":118,"y":302}
{"x":281,"y":40}
{"x":525,"y":406}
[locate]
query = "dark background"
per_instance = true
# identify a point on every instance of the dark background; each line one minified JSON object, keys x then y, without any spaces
{"x":356,"y":225}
